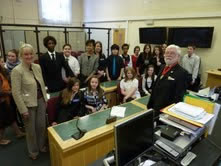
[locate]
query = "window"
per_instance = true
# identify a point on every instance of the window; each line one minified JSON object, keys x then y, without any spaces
{"x":55,"y":11}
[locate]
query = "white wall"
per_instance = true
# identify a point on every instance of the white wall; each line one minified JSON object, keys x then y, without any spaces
{"x":107,"y":10}
{"x":132,"y":14}
{"x":26,"y":12}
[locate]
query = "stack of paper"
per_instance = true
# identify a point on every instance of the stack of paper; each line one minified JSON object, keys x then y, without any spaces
{"x":194,"y":113}
{"x":191,"y":113}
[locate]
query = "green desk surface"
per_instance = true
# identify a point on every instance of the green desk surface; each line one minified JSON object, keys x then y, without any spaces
{"x":54,"y":94}
{"x":109,"y":84}
{"x":143,"y":100}
{"x":91,"y":122}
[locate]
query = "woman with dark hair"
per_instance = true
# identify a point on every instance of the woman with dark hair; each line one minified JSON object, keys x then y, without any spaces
{"x":144,"y":59}
{"x":95,"y":99}
{"x":102,"y":61}
{"x":135,"y":56}
{"x":164,"y":46}
{"x":12,"y":60}
{"x":158,"y":59}
{"x":148,"y":79}
{"x":70,"y":102}
{"x":88,"y":63}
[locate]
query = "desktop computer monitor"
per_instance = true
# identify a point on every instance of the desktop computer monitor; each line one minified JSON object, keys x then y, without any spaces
{"x":133,"y":137}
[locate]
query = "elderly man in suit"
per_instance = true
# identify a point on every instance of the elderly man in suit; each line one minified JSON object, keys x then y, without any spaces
{"x":51,"y":64}
{"x":171,"y":82}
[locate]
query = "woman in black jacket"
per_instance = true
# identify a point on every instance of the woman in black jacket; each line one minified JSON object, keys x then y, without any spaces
{"x":144,"y":59}
{"x":158,"y":58}
{"x":70,"y":102}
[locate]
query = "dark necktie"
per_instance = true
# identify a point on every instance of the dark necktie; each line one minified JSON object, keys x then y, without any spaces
{"x":53,"y":57}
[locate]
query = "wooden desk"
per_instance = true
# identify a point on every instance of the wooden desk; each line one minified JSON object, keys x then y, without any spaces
{"x":214,"y":78}
{"x":141,"y":102}
{"x":98,"y":141}
{"x":110,"y":89}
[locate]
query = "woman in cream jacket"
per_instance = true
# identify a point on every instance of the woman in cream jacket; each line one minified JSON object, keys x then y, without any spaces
{"x":28,"y":90}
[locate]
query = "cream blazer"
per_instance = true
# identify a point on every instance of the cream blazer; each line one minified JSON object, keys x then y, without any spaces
{"x":24,"y":86}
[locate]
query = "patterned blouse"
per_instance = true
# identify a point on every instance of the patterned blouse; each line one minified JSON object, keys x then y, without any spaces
{"x":94,"y":100}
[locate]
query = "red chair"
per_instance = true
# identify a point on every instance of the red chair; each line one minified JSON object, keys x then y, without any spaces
{"x":119,"y":94}
{"x":140,"y":79}
{"x":51,"y":109}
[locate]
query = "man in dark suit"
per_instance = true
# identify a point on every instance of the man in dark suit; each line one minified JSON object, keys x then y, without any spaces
{"x":51,"y":64}
{"x":171,"y":83}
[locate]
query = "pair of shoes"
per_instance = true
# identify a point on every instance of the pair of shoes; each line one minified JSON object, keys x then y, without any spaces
{"x":44,"y":149}
{"x":5,"y":142}
{"x":33,"y":157}
{"x":20,"y":135}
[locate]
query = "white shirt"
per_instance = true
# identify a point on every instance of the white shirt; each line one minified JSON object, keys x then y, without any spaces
{"x":130,"y":64}
{"x":127,"y":86}
{"x":191,"y":64}
{"x":51,"y":55}
{"x":73,"y":64}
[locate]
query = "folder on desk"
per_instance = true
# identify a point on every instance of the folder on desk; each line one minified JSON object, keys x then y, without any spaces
{"x":209,"y":106}
{"x":199,"y":102}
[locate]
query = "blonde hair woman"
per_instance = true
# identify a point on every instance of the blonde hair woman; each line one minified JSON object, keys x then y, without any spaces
{"x":28,"y":90}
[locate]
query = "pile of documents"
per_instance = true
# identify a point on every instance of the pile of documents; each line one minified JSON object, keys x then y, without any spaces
{"x":190,"y":112}
{"x":191,"y":115}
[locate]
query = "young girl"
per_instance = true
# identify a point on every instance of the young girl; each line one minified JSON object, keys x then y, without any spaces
{"x":95,"y":99}
{"x":158,"y":59}
{"x":102,"y":61}
{"x":129,"y":85}
{"x":135,"y":56}
{"x":12,"y":60}
{"x":148,"y":79}
{"x":70,"y":102}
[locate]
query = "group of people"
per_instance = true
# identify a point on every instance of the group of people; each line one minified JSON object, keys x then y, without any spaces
{"x":24,"y":84}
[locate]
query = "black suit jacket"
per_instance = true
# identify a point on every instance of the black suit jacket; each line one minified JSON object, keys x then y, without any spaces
{"x":51,"y":71}
{"x":168,"y":89}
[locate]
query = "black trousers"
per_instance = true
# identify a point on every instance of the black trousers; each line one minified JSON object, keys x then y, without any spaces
{"x":196,"y":86}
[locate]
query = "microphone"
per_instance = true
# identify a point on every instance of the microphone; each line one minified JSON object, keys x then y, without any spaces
{"x":80,"y":133}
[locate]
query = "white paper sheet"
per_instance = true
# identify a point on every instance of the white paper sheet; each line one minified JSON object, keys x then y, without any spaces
{"x":204,"y":92}
{"x":118,"y":111}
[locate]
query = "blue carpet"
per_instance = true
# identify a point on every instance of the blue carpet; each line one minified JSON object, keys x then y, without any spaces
{"x":16,"y":154}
